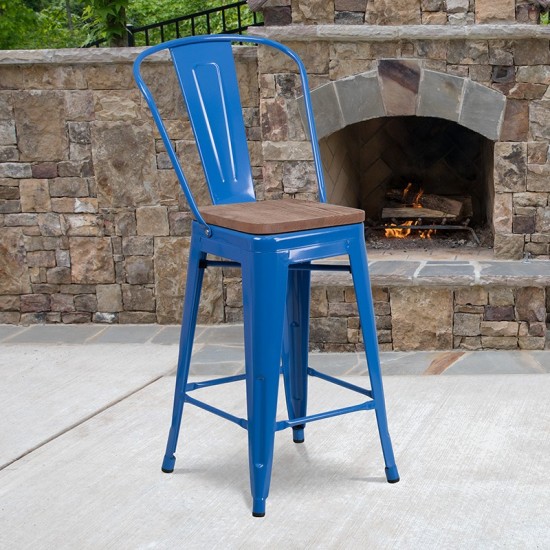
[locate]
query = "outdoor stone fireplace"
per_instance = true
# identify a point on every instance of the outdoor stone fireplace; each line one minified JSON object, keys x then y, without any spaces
{"x":437,"y":153}
{"x":448,"y":95}
{"x":452,"y":95}
{"x":490,"y":79}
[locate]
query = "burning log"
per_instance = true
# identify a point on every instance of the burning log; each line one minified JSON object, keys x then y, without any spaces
{"x":404,"y":230}
{"x":425,"y":206}
{"x":450,"y":207}
{"x":408,"y":212}
{"x":412,"y":210}
{"x":467,"y":207}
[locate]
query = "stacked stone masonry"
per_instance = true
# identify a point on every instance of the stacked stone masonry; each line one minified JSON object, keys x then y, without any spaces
{"x":93,"y":224}
{"x":399,"y":12}
{"x":424,"y":318}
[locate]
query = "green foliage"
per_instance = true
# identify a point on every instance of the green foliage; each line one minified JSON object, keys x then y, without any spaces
{"x":30,"y":24}
{"x":35,"y":5}
{"x":53,"y":29}
{"x":107,"y":21}
{"x":23,"y":28}
{"x":144,"y":12}
{"x":17,"y":22}
{"x":545,"y":18}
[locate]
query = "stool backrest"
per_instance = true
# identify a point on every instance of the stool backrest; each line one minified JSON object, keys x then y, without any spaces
{"x":206,"y":72}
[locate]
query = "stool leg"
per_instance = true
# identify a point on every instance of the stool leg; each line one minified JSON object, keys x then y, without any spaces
{"x":295,"y":348}
{"x":195,"y":275}
{"x":361,"y":281}
{"x":264,"y":296}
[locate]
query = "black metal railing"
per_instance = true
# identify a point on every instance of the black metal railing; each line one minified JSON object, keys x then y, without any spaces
{"x":233,"y":18}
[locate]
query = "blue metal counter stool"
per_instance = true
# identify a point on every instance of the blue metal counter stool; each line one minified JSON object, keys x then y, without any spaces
{"x":274,"y":244}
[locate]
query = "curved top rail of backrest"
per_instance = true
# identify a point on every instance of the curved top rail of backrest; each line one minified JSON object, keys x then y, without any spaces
{"x":206,"y":72}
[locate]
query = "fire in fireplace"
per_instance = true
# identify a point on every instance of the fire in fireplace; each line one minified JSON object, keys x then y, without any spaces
{"x":416,"y":178}
{"x":414,"y":212}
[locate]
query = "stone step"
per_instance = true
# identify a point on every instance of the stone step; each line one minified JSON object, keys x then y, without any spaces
{"x":437,"y":305}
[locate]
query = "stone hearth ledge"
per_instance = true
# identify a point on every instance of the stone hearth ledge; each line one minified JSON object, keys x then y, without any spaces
{"x":421,"y":273}
{"x":376,"y":33}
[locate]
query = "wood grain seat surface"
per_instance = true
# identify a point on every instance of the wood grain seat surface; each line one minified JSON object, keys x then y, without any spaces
{"x":280,"y":216}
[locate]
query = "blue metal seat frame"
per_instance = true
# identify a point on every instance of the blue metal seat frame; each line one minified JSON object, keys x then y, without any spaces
{"x":276,"y":268}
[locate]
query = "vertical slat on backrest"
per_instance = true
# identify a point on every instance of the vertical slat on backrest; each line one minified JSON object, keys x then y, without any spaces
{"x":208,"y":79}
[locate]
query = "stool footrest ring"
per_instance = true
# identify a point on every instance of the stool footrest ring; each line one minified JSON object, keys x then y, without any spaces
{"x":338,"y":382}
{"x":283,"y":424}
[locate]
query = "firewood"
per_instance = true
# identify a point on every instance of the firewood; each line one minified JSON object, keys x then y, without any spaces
{"x":396,"y":195}
{"x":450,"y":207}
{"x":411,"y":213}
{"x":437,"y":205}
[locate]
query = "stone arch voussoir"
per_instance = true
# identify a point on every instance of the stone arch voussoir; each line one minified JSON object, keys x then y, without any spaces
{"x":404,"y":88}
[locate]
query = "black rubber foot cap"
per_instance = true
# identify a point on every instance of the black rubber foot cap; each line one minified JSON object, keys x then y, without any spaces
{"x":298,"y":431}
{"x":258,"y":514}
{"x":167,"y":471}
{"x":393,"y":480}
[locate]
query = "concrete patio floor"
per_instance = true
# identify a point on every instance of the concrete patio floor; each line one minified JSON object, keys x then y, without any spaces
{"x":85,"y":413}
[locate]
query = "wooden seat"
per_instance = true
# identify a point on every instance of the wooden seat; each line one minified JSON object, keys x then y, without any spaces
{"x":280,"y":216}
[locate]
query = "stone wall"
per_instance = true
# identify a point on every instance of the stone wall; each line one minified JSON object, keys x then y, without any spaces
{"x":432,"y":305}
{"x":427,"y":318}
{"x":399,"y":12}
{"x":93,"y":225}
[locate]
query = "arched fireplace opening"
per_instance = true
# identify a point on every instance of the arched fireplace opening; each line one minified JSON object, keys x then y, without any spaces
{"x":414,"y":172}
